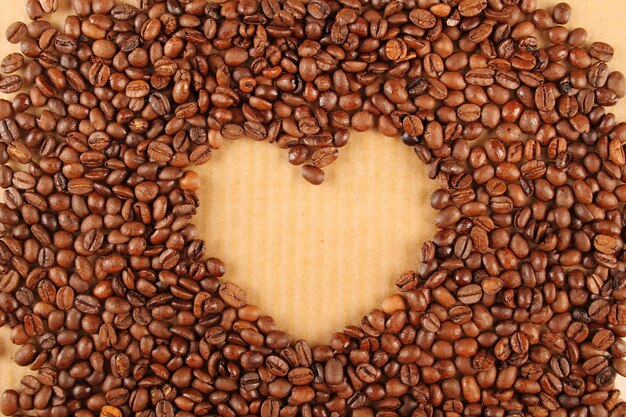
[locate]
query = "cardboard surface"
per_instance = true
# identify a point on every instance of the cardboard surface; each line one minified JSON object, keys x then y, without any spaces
{"x":318,"y":258}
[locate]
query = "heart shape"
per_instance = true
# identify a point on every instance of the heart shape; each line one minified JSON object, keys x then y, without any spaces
{"x":331,"y":252}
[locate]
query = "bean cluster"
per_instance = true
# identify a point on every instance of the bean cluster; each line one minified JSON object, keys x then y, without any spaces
{"x":517,"y":307}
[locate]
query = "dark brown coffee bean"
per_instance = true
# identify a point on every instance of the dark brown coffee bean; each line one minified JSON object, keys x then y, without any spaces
{"x":300,"y":376}
{"x":470,"y":294}
{"x":562,"y":13}
{"x":367,"y":373}
{"x":232,"y":131}
{"x":18,"y":152}
{"x":160,"y":103}
{"x":431,"y":323}
{"x":232,"y":294}
{"x":545,"y":98}
{"x":601,"y":51}
{"x":298,"y":154}
{"x":16,"y":32}
{"x":333,"y":372}
{"x":137,"y":89}
{"x":9,"y":403}
{"x":324,"y":156}
{"x":277,"y":366}
{"x":423,"y":19}
{"x":313,"y":174}
{"x":396,"y":49}
{"x":271,"y":407}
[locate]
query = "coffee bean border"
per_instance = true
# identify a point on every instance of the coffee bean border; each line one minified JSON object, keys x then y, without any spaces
{"x":517,"y":306}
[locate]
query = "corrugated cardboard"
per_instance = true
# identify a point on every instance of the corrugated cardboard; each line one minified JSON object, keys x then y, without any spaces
{"x":318,"y":258}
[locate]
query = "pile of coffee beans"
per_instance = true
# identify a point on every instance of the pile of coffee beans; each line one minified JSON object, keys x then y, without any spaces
{"x":517,"y":307}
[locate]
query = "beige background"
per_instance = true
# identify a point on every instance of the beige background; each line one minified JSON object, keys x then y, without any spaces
{"x":318,"y":258}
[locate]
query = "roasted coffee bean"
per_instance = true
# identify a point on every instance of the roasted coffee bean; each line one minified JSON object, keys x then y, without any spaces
{"x":12,"y":63}
{"x":562,"y":13}
{"x":470,"y":294}
{"x":49,"y":6}
{"x":601,"y":51}
{"x":110,"y":411}
{"x":137,"y":89}
{"x":333,"y":372}
{"x":160,"y":103}
{"x":298,"y":154}
{"x":11,"y":84}
{"x":232,"y":294}
{"x":324,"y":156}
{"x":431,"y":323}
{"x":301,"y":376}
{"x":396,"y":49}
{"x":16,"y":32}
{"x":367,"y":372}
{"x":471,"y":7}
{"x":313,"y":174}
{"x":9,"y":402}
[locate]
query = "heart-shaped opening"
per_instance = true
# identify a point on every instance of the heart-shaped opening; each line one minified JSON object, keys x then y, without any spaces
{"x":316,"y":258}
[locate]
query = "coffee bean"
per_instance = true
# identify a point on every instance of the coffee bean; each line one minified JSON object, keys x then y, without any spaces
{"x":232,"y":294}
{"x":616,"y":83}
{"x":65,"y":298}
{"x":423,"y":19}
{"x":23,"y":181}
{"x":367,"y":372}
{"x":270,"y":408}
{"x":324,"y":156}
{"x":333,"y":372}
{"x":412,"y":126}
{"x":200,"y":155}
{"x":12,"y":63}
{"x":16,"y":32}
{"x":232,"y":131}
{"x":603,"y":339}
{"x":562,"y":13}
{"x":313,"y":174}
{"x":303,"y":353}
{"x":9,"y":402}
{"x":470,"y":294}
{"x":160,"y":103}
{"x":300,"y":376}
{"x":396,"y":49}
{"x":215,"y":335}
{"x":468,"y":8}
{"x":277,"y":366}
{"x":431,"y":323}
{"x":87,"y":304}
{"x":18,"y":152}
{"x":49,"y":6}
{"x":110,"y":411}
{"x":11,"y":84}
{"x":137,"y":89}
{"x":298,"y":154}
{"x":480,"y":77}
{"x":160,"y":152}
